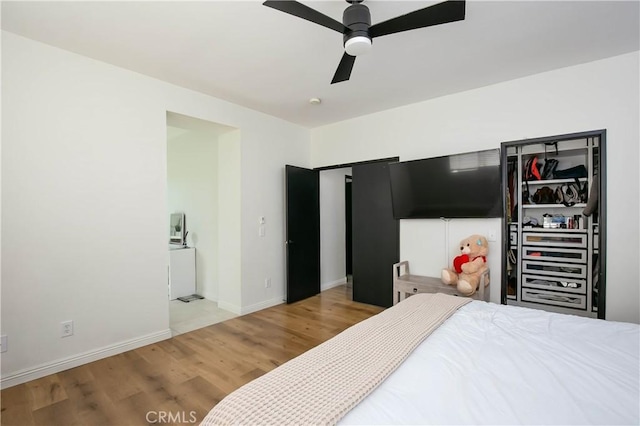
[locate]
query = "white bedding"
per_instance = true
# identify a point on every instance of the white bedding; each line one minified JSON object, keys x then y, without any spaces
{"x":497,"y":364}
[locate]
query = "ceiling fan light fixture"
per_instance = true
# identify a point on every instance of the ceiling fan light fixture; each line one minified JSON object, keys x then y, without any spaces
{"x":357,"y":46}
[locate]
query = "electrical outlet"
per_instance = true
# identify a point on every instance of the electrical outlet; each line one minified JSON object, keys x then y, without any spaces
{"x":267,"y":283}
{"x":66,"y":328}
{"x":3,"y":343}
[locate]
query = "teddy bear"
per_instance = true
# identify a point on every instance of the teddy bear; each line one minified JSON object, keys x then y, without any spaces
{"x":469,"y":266}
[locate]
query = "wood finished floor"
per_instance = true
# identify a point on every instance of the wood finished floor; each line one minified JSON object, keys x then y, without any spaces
{"x":187,"y":374}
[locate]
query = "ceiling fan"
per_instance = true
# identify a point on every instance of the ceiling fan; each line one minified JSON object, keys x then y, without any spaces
{"x":357,"y":29}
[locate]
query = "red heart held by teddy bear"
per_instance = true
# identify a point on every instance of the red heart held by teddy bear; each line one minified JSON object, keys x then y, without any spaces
{"x":458,"y":261}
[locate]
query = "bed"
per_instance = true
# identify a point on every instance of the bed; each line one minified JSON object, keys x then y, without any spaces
{"x":439,"y":359}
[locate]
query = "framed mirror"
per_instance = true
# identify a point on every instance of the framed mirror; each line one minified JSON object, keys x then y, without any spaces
{"x":177,"y":231}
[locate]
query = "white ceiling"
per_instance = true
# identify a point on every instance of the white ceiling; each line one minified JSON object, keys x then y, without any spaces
{"x":269,"y":61}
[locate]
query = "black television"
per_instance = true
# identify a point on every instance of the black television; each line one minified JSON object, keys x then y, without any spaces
{"x":454,"y":186}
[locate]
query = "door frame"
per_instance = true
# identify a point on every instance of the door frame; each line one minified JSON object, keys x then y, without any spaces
{"x":358,"y":163}
{"x":348,"y":180}
{"x":602,"y":207}
{"x":332,"y":167}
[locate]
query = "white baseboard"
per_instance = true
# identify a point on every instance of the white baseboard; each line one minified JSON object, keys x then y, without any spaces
{"x":332,"y":284}
{"x":81,"y":359}
{"x":229,"y":307}
{"x":262,"y":305}
{"x":243,"y":310}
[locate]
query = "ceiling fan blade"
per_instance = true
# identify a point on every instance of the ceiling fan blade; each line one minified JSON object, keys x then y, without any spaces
{"x":305,"y":12}
{"x":441,"y":13}
{"x":344,"y":69}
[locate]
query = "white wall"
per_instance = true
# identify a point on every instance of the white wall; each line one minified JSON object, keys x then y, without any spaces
{"x":84,"y":204}
{"x":192,"y":189}
{"x":263,"y":257}
{"x":332,"y":227}
{"x":597,"y":95}
{"x":229,"y":222}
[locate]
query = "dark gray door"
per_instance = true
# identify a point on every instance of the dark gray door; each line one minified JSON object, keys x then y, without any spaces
{"x":348,"y":221}
{"x":376,"y":235}
{"x":302,"y":233}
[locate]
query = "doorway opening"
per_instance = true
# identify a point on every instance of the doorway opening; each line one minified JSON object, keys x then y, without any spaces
{"x":374,"y":232}
{"x":195,"y":182}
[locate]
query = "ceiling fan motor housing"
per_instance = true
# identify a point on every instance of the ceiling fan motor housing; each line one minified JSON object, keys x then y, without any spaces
{"x":358,"y":19}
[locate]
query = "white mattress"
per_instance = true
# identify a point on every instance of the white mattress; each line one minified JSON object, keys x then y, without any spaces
{"x":497,"y":364}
